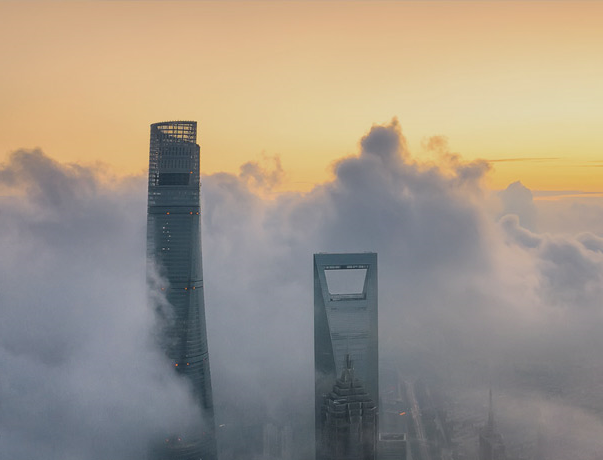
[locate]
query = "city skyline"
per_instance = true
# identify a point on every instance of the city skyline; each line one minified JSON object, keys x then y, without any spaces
{"x":467,"y":297}
{"x":335,"y":127}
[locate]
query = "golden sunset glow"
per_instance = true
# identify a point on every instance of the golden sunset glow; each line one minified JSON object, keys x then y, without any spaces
{"x":519,"y":83}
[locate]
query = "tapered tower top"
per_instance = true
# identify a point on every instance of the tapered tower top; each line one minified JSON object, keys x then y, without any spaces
{"x":175,"y":131}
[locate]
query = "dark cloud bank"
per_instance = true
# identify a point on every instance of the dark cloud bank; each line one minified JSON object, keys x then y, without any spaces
{"x":472,"y":292}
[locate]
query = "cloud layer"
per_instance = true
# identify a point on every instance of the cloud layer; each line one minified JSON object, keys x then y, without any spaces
{"x":468,"y":295}
{"x":80,"y":376}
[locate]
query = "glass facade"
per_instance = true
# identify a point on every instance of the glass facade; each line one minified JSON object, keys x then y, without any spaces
{"x":174,"y":253}
{"x":345,"y":323}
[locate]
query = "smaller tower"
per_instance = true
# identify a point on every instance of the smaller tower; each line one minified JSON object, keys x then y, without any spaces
{"x":345,"y":321}
{"x":348,"y":420}
{"x":491,"y":445}
{"x":392,"y":446}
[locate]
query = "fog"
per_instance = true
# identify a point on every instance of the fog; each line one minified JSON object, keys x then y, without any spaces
{"x":477,"y":289}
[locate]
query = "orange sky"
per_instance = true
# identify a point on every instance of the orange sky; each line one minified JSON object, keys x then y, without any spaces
{"x":519,"y":81}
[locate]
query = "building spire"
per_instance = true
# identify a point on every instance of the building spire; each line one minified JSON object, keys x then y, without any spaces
{"x":490,"y":424}
{"x":348,"y":371}
{"x":491,"y":445}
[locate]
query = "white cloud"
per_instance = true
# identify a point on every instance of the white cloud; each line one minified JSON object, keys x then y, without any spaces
{"x":462,"y":295}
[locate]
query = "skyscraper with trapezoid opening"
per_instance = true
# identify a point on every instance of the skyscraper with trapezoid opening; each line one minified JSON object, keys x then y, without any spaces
{"x":174,"y":254}
{"x":345,"y":323}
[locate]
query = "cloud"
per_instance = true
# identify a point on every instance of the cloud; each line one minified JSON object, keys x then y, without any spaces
{"x":264,"y":174}
{"x":522,"y":159}
{"x":462,"y":296}
{"x":591,"y":241}
{"x":517,"y":199}
{"x":81,"y":377}
{"x":465,"y":298}
{"x":571,"y":215}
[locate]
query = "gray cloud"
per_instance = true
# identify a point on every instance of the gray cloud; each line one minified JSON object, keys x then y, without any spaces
{"x":464,"y":298}
{"x":264,"y":174}
{"x":570,"y":215}
{"x":517,"y":199}
{"x":80,"y":376}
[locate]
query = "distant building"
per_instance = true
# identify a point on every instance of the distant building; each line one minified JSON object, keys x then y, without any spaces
{"x":287,"y":443}
{"x":392,"y":446}
{"x":174,"y":254}
{"x":277,"y":442}
{"x":393,"y":417}
{"x":272,"y":442}
{"x":491,"y":445}
{"x":348,"y":420}
{"x":345,"y":323}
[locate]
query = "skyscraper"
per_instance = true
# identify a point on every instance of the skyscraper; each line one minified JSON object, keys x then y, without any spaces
{"x":491,"y":445}
{"x":345,"y":323}
{"x":174,"y":254}
{"x":392,"y":446}
{"x":348,"y":420}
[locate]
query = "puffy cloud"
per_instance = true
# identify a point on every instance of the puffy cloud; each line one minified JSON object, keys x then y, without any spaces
{"x":591,"y":241}
{"x":517,"y":199}
{"x":263,"y":174}
{"x":464,"y":298}
{"x":81,"y":377}
{"x":570,"y":214}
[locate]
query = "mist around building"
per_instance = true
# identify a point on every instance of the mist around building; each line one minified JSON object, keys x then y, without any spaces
{"x":489,"y":314}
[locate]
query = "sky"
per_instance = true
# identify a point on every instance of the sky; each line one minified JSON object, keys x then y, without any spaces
{"x":324,"y":127}
{"x":518,"y":83}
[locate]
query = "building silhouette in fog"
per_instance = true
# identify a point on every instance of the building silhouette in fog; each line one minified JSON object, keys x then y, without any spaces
{"x":277,"y":442}
{"x":174,"y":272}
{"x":345,"y":323}
{"x":392,"y":446}
{"x":348,"y":422}
{"x":491,"y":445}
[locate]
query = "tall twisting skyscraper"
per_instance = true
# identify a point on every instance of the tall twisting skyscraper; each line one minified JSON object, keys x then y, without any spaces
{"x":345,"y":323}
{"x":174,"y":252}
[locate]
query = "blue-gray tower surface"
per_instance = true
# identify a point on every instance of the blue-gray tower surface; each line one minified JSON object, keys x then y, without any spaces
{"x":345,"y":323}
{"x":174,"y":249}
